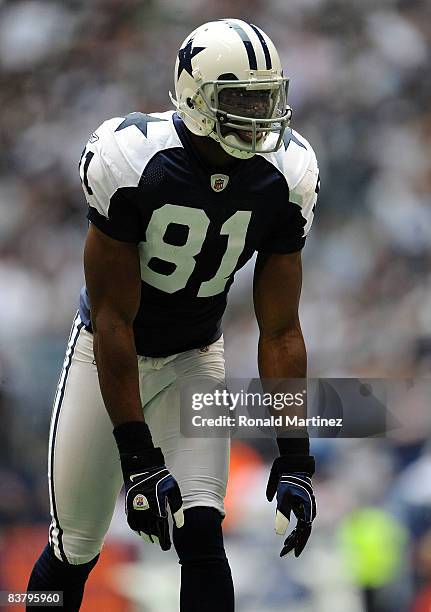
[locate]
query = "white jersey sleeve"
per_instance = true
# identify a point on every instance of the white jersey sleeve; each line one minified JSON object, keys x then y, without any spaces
{"x":112,"y":165}
{"x":297,"y":163}
{"x":103,"y":173}
{"x":304,"y":192}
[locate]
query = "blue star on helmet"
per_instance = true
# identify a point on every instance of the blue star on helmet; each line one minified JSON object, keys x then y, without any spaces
{"x":185,"y":55}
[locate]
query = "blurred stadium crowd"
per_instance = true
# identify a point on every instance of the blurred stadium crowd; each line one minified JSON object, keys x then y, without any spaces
{"x":360,"y":91}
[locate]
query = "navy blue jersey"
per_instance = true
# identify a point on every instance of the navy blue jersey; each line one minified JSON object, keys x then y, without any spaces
{"x":194,"y":227}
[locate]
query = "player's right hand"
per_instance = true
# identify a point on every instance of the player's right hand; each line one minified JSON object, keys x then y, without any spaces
{"x":149,"y":488}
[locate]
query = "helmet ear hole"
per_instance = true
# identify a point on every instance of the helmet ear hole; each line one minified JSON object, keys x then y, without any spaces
{"x":228,"y":76}
{"x":189,"y":103}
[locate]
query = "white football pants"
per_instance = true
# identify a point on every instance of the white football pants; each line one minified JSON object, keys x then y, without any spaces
{"x":84,"y":469}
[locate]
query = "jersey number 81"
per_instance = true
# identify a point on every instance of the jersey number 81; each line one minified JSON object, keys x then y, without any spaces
{"x":183,"y":257}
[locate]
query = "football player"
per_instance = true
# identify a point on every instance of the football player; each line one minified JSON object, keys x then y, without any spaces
{"x":179,"y":201}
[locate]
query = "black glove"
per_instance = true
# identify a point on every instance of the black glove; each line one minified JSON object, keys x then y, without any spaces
{"x":290,"y":478}
{"x":149,"y":485}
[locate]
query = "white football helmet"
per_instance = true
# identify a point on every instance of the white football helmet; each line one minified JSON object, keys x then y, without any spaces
{"x":229,"y":85}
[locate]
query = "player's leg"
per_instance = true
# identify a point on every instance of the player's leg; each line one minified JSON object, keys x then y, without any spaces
{"x":84,"y":476}
{"x":206,"y":579}
{"x":200,"y":466}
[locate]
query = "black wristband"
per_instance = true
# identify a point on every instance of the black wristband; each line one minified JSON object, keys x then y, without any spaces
{"x":294,"y":446}
{"x":295,"y":463}
{"x":133,"y":437}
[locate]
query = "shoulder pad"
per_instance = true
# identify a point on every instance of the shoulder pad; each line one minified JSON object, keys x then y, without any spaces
{"x":119,"y":150}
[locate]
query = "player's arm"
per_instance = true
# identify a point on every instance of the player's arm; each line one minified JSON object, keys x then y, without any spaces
{"x":114,"y":286}
{"x":278,"y":272}
{"x":277,"y":289}
{"x":113,"y":280}
{"x":281,"y":350}
{"x":282,"y":355}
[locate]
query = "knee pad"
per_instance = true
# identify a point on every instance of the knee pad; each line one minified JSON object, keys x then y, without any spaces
{"x":200,"y":540}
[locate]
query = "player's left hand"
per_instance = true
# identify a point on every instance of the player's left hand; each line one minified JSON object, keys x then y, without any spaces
{"x":294,"y":494}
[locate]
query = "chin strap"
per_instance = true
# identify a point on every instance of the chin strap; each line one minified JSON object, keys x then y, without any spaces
{"x":223,"y":142}
{"x":238,"y":153}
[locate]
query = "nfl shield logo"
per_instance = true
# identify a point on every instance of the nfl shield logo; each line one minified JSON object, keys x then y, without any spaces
{"x":219,"y":181}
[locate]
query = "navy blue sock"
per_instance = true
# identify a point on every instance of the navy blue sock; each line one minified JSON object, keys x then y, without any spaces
{"x":51,"y":574}
{"x":206,"y":579}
